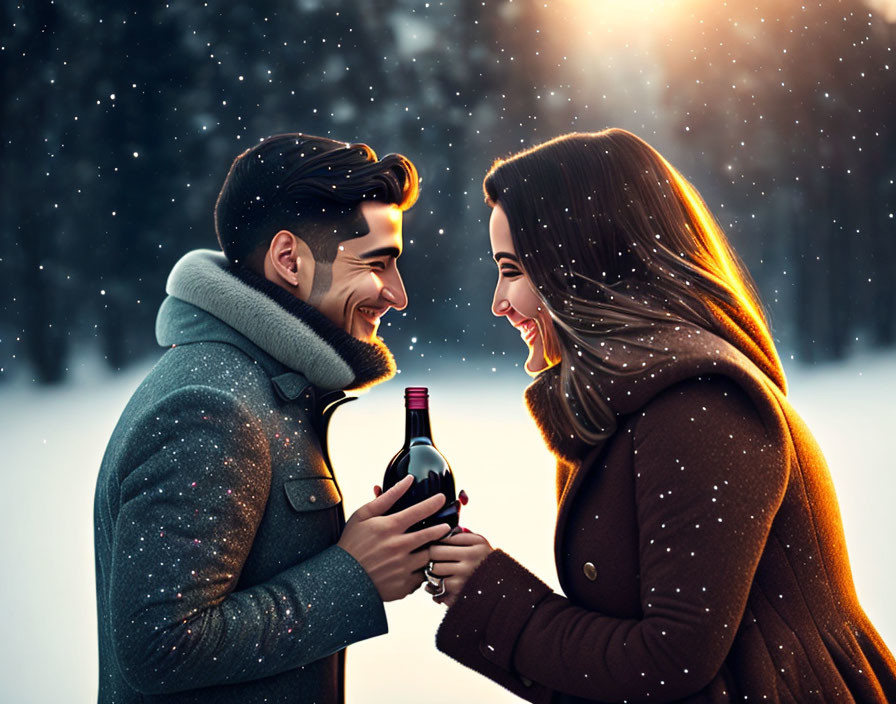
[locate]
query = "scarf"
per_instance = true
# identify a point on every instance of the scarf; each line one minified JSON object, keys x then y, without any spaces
{"x":647,"y":358}
{"x":294,"y":333}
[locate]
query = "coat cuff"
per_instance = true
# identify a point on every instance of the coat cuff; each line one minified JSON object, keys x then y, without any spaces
{"x":353,"y":607}
{"x":367,"y":598}
{"x":481,"y":629}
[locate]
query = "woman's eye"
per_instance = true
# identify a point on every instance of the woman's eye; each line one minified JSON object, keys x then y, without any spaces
{"x":510,"y":273}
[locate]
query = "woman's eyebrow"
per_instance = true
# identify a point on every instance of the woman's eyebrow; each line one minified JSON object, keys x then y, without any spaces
{"x":382,"y":252}
{"x":508,"y":255}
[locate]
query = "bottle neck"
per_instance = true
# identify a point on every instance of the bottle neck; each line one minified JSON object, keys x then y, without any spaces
{"x":416,"y":425}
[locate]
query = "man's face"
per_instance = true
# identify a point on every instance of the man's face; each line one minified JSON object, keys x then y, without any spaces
{"x":365,"y":279}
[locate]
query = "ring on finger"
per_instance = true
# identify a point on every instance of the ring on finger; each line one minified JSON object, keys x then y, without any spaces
{"x":433,"y":579}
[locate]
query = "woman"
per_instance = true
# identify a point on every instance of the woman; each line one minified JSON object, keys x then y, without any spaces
{"x":698,"y":538}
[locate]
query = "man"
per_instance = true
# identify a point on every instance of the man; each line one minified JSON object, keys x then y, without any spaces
{"x":225,"y":569}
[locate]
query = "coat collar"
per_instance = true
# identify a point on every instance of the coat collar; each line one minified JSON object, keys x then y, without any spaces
{"x":692,"y":352}
{"x":181,"y":323}
{"x":245,"y":310}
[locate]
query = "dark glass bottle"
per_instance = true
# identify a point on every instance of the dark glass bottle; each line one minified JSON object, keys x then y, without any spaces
{"x":420,"y":458}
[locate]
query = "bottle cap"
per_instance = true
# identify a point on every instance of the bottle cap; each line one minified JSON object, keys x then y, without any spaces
{"x":416,"y":398}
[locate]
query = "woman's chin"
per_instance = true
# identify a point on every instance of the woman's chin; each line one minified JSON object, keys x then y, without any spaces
{"x":536,"y":363}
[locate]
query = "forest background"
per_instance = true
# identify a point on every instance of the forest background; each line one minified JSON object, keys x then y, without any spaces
{"x":120,"y":120}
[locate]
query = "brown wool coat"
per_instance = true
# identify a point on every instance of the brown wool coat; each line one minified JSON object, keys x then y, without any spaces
{"x":701,"y":554}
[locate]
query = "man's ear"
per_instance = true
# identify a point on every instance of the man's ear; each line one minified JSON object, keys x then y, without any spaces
{"x":288,"y":263}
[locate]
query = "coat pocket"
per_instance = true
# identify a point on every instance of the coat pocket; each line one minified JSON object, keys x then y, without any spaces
{"x":312,"y":493}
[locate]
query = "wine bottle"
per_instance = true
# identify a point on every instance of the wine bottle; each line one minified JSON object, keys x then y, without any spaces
{"x":420,"y":458}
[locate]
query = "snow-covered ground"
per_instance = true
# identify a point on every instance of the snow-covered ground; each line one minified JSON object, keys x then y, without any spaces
{"x":53,"y":440}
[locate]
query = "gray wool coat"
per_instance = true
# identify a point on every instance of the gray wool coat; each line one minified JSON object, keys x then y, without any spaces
{"x":216,"y":520}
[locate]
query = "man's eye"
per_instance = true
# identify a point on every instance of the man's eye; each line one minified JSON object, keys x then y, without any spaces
{"x":378,"y":266}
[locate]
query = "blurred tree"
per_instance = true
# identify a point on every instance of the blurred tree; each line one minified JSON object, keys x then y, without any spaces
{"x":116,"y":145}
{"x":788,"y":103}
{"x":36,"y":308}
{"x":138,"y":127}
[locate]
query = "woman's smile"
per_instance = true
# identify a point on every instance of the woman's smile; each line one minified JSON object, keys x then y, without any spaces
{"x":528,"y":330}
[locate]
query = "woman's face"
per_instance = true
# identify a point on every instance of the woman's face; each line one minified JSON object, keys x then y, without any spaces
{"x":516,"y":298}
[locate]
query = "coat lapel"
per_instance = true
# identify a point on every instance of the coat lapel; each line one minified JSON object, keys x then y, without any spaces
{"x":577,"y":474}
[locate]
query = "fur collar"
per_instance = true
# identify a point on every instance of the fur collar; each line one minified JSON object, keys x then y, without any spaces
{"x":648,"y":358}
{"x":542,"y":399}
{"x":289,"y":330}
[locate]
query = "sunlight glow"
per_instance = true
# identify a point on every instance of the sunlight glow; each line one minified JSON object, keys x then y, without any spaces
{"x":759,"y":338}
{"x":591,"y":16}
{"x":886,"y":7}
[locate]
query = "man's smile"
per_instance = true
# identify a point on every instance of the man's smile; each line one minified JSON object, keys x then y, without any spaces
{"x":372,"y":314}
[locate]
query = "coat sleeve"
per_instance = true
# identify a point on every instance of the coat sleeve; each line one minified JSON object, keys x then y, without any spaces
{"x":192,"y":493}
{"x":708,"y":482}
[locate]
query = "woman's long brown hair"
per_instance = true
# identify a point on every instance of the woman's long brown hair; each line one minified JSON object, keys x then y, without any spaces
{"x":615,"y":239}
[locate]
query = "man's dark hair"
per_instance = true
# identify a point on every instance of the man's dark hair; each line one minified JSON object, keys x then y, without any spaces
{"x":311,"y":186}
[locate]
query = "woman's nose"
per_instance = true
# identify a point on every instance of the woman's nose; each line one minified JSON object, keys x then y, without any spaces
{"x":500,"y":305}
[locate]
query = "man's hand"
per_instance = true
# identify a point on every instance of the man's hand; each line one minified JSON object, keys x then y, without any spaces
{"x":455,"y":558}
{"x":462,"y":497}
{"x":381,"y":546}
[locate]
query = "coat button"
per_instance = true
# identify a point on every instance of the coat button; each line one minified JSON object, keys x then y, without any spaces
{"x":590,"y":571}
{"x":312,"y":498}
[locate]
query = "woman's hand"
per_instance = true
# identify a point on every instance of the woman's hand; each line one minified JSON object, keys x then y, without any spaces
{"x":454,"y":559}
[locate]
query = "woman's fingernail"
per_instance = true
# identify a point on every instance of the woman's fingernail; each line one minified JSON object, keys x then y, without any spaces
{"x":463,"y":497}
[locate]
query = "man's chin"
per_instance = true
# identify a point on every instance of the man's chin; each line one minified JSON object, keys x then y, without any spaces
{"x":362,"y":329}
{"x":368,"y":336}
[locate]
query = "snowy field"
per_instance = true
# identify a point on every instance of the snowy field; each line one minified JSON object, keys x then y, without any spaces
{"x":53,"y":440}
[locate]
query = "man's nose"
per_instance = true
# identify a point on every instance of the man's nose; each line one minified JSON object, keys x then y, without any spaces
{"x":394,"y":292}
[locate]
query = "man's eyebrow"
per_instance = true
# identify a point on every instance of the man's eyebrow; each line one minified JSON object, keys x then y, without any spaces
{"x":382,"y":252}
{"x":508,"y":255}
